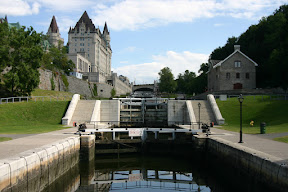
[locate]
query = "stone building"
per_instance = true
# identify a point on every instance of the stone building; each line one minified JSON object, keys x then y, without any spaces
{"x":54,"y":34}
{"x":90,"y":50}
{"x":237,"y":71}
{"x":86,"y":38}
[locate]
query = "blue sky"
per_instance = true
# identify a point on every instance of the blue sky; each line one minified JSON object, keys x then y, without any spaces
{"x":147,"y":35}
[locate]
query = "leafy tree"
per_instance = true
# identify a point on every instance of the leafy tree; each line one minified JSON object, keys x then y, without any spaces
{"x":4,"y":45}
{"x":166,"y":80}
{"x":185,"y":81}
{"x":56,"y":59}
{"x":24,"y":56}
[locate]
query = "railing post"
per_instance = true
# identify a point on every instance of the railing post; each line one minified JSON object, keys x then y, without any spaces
{"x":13,"y":99}
{"x":113,"y":135}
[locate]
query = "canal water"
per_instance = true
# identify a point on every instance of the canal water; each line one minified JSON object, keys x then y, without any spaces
{"x":157,"y":173}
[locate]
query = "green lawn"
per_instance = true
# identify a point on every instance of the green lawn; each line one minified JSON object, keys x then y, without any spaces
{"x":273,"y":112}
{"x":5,"y":139}
{"x":282,"y":139}
{"x":32,"y":117}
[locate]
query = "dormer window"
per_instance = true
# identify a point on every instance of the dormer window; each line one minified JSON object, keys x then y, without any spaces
{"x":237,"y":64}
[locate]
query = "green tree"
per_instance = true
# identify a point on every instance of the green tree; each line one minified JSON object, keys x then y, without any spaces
{"x":56,"y":59}
{"x":113,"y":92}
{"x":4,"y":45}
{"x":25,"y":54}
{"x":166,"y":80}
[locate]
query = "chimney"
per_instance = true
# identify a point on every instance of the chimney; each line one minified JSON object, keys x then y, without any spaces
{"x":236,"y":47}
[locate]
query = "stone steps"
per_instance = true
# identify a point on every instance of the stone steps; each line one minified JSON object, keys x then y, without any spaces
{"x":83,"y":111}
{"x":206,"y":114}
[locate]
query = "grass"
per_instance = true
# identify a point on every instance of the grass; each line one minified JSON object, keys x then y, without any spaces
{"x":258,"y":109}
{"x":5,"y":139}
{"x":53,"y":95}
{"x":32,"y":117}
{"x":282,"y":139}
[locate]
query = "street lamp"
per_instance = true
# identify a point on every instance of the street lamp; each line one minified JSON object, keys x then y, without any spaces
{"x":199,"y":105}
{"x":240,"y":99}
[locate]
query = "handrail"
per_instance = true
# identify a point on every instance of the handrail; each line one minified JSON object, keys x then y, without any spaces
{"x":35,"y":98}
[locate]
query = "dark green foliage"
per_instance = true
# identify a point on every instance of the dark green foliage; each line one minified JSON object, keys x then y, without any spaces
{"x":113,"y":92}
{"x":52,"y":83}
{"x":95,"y":90}
{"x":190,"y":84}
{"x":266,"y":43}
{"x":166,"y":80}
{"x":21,"y":51}
{"x":56,"y":59}
{"x":65,"y":81}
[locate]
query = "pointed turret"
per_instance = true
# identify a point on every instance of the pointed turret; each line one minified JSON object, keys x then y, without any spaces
{"x":53,"y":26}
{"x":106,"y":34}
{"x":105,"y":30}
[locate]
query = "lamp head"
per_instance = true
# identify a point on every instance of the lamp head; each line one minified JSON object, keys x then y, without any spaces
{"x":240,"y":98}
{"x":199,"y":104}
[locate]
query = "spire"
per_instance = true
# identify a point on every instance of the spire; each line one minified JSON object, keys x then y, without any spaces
{"x":53,"y":26}
{"x":87,"y":21}
{"x":105,"y":30}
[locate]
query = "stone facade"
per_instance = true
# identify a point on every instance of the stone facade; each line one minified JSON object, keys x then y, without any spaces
{"x":85,"y":38}
{"x":237,"y":71}
{"x":82,"y":64}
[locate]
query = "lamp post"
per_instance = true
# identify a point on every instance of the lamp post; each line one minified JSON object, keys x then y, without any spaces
{"x":199,"y":105}
{"x":240,"y":99}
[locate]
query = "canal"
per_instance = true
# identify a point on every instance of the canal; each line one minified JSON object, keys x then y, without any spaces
{"x":152,"y":172}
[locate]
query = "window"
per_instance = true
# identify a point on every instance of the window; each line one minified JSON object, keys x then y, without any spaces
{"x":247,"y":76}
{"x":237,"y":75}
{"x":227,"y":75}
{"x":237,"y":63}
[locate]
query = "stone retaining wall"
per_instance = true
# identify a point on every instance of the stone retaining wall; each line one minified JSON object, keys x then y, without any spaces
{"x":267,"y":168}
{"x":36,"y":169}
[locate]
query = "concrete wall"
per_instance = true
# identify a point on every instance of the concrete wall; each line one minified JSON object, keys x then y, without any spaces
{"x":96,"y":112}
{"x":110,"y":111}
{"x":104,"y":90}
{"x":217,"y":114}
{"x":70,"y":111}
{"x":34,"y":170}
{"x":177,"y":112}
{"x":267,"y":168}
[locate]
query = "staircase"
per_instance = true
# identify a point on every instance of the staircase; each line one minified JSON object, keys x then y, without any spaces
{"x":206,"y":114}
{"x":83,"y":111}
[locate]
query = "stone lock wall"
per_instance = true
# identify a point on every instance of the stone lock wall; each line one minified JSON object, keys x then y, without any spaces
{"x":36,"y":170}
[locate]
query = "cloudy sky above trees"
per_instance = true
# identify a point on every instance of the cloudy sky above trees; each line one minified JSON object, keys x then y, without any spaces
{"x":147,"y":35}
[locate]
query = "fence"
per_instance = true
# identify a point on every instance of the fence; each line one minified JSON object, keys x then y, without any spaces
{"x":261,"y":97}
{"x":34,"y":98}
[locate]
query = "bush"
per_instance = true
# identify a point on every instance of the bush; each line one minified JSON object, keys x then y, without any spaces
{"x":113,"y":92}
{"x":65,"y":81}
{"x":52,"y":83}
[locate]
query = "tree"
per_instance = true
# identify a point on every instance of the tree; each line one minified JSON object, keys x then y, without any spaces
{"x":166,"y":80}
{"x":23,"y":58}
{"x":4,"y":45}
{"x":56,"y":59}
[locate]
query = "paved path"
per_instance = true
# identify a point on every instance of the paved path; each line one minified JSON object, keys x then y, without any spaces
{"x":257,"y":142}
{"x":13,"y":148}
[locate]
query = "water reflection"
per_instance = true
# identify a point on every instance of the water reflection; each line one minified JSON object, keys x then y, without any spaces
{"x":144,"y":174}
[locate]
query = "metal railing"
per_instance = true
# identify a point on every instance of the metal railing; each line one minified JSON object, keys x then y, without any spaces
{"x":34,"y":98}
{"x":261,"y":97}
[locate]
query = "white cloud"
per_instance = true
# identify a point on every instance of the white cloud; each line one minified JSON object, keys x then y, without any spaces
{"x":133,"y":15}
{"x":19,"y":7}
{"x":177,"y":62}
{"x":67,"y":5}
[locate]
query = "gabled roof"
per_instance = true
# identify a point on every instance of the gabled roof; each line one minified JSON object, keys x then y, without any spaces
{"x":53,"y":26}
{"x":220,"y":63}
{"x":87,"y":21}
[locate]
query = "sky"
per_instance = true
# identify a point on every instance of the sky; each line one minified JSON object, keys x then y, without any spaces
{"x":148,"y":35}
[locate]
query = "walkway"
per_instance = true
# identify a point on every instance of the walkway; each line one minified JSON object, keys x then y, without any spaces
{"x":257,"y":142}
{"x":14,"y":148}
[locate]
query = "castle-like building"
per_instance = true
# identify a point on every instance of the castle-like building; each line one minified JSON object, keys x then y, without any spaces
{"x":90,"y":50}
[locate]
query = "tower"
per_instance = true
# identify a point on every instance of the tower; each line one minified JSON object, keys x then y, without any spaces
{"x":54,"y":35}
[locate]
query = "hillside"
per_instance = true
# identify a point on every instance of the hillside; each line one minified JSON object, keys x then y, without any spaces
{"x":256,"y":108}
